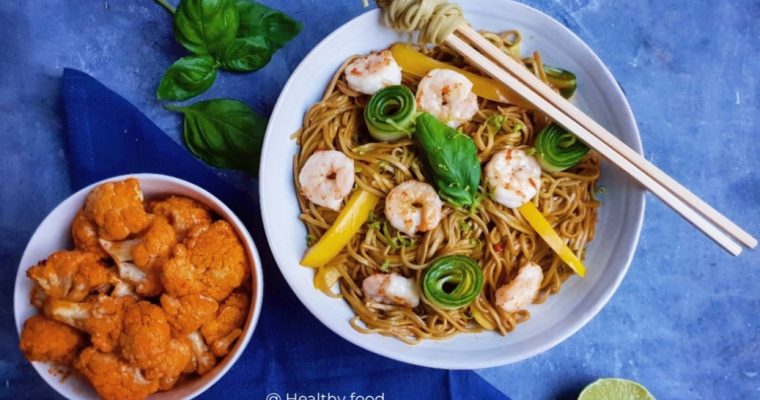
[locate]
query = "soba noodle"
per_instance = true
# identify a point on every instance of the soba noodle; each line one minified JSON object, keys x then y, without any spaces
{"x":433,"y":19}
{"x":498,"y":238}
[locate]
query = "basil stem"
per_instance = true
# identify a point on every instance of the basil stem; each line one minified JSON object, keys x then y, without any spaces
{"x":452,"y":282}
{"x":557,"y":149}
{"x":390,"y":113}
{"x":165,"y":4}
{"x":450,"y":158}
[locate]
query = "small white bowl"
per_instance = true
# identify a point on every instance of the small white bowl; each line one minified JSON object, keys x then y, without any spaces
{"x":608,"y":256}
{"x":54,"y":234}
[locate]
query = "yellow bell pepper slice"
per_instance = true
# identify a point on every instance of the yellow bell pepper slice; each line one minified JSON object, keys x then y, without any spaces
{"x":550,"y":236}
{"x":418,"y":64}
{"x":350,"y":219}
{"x":325,"y":278}
{"x":481,"y":319}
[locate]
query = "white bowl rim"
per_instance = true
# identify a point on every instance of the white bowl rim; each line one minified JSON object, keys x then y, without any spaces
{"x":372,"y":17}
{"x":256,"y":303}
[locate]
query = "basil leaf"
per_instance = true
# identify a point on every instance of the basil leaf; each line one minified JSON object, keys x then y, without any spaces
{"x":450,"y":158}
{"x":258,"y":20}
{"x":224,"y":133}
{"x":246,"y":54}
{"x":206,"y":26}
{"x":186,"y":78}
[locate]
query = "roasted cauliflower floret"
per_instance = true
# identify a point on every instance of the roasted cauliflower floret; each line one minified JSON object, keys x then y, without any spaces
{"x":182,"y":213}
{"x":202,"y":359}
{"x":222,"y":331}
{"x":122,"y":288}
{"x":70,"y":275}
{"x":223,"y":345}
{"x":212,"y":262}
{"x":113,"y":378}
{"x":117,"y":209}
{"x":146,"y":334}
{"x":101,"y":317}
{"x":38,"y":298}
{"x":187,"y":313}
{"x":171,"y":364}
{"x":140,"y":260}
{"x":44,"y":339}
{"x":85,"y":235}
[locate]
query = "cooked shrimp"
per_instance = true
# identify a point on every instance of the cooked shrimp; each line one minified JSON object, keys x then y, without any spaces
{"x":391,"y":289}
{"x":327,"y":178}
{"x":522,"y":290}
{"x":448,"y":96}
{"x":373,"y":72}
{"x":413,"y":206}
{"x":513,"y":176}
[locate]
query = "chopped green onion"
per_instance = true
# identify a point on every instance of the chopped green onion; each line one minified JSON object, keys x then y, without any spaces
{"x":557,"y":149}
{"x":495,"y":121}
{"x":452,"y":282}
{"x":390,"y":113}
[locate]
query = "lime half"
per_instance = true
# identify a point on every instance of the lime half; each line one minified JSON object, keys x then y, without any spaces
{"x":615,"y":389}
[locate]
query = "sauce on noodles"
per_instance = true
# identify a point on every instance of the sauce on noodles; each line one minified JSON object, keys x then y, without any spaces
{"x":497,"y":238}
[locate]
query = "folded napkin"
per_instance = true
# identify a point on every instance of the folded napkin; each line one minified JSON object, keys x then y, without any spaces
{"x":291,"y":353}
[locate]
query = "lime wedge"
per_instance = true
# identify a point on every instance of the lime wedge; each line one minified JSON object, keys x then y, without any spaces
{"x":615,"y":389}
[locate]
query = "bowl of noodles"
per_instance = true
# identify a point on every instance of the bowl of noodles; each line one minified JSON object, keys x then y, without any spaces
{"x":423,"y":214}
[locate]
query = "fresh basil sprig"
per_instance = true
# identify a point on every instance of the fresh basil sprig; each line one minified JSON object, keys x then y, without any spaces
{"x":236,"y":35}
{"x":258,"y":20}
{"x":206,"y":26}
{"x":450,"y":158}
{"x":246,"y":54}
{"x":224,"y":133}
{"x":187,"y":78}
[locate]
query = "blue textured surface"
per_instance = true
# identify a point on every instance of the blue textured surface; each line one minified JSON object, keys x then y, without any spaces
{"x":685,"y":322}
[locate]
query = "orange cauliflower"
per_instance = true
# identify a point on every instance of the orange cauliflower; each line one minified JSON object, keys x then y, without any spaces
{"x":140,"y":260}
{"x":171,"y":364}
{"x":44,"y":339}
{"x":146,"y":334}
{"x":188,"y":313}
{"x":70,"y":275}
{"x":102,"y":317}
{"x":203,"y":359}
{"x":122,"y":288}
{"x":117,"y":209}
{"x":212,"y":262}
{"x":224,"y":329}
{"x":85,"y":235}
{"x":223,"y":345}
{"x":183,"y":214}
{"x":38,"y":298}
{"x":112,"y":378}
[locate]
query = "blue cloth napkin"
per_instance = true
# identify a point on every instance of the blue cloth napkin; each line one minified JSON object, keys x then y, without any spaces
{"x":291,"y":353}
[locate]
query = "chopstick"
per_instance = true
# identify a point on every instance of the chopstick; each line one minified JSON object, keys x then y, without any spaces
{"x":514,"y":75}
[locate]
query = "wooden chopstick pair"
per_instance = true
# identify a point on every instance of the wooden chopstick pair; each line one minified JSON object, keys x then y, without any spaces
{"x":511,"y":73}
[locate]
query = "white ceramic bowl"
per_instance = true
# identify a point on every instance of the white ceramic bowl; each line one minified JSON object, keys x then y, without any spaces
{"x":562,"y":315}
{"x":54,"y":234}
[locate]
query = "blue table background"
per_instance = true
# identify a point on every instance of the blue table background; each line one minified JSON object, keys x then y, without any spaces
{"x":686,"y":320}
